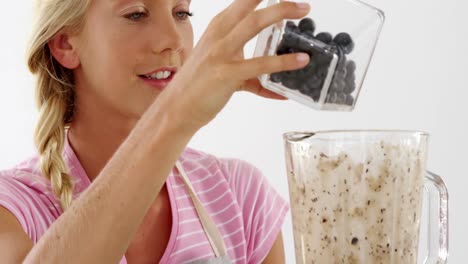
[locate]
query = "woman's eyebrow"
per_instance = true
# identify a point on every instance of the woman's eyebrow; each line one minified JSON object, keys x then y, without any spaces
{"x":117,"y":3}
{"x":187,"y":1}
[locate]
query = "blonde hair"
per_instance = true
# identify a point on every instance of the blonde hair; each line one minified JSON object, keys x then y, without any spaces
{"x":54,"y":91}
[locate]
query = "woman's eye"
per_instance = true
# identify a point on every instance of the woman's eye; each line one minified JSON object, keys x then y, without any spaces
{"x":136,"y":16}
{"x":183,"y":15}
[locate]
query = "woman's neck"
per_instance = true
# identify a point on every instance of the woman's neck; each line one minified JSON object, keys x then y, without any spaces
{"x":94,"y":141}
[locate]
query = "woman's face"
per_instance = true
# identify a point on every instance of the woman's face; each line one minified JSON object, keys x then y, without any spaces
{"x":123,"y":40}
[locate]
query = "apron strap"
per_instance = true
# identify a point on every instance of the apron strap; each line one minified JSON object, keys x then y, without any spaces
{"x":211,"y":231}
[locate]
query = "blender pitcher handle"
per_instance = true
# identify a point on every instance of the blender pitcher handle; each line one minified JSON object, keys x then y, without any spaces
{"x":438,"y":222}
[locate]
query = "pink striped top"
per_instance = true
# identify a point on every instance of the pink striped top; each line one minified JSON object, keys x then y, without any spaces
{"x":246,"y":209}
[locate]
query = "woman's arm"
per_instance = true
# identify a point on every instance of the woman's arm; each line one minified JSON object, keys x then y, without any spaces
{"x":100,"y":224}
{"x":14,"y":242}
{"x":276,"y":254}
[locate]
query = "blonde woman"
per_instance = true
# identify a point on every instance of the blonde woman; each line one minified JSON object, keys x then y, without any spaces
{"x":121,"y":90}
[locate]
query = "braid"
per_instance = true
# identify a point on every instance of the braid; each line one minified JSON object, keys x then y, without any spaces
{"x":55,"y":103}
{"x":55,"y":89}
{"x":49,"y":139}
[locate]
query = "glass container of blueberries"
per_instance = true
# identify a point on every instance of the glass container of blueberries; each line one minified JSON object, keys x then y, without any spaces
{"x":340,"y":37}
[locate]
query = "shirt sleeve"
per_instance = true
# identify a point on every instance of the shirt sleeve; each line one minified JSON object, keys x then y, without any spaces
{"x":11,"y":198}
{"x":263,"y":209}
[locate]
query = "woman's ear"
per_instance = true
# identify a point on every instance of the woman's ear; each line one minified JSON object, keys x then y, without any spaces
{"x":64,"y":50}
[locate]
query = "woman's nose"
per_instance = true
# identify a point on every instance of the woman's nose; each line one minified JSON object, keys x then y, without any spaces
{"x":166,"y":37}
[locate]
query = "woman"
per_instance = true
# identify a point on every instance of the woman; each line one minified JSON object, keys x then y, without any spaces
{"x":121,"y":90}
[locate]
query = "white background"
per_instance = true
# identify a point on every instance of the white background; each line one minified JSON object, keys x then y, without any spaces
{"x":417,"y":81}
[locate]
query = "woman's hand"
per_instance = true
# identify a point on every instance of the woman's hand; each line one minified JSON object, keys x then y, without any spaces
{"x":217,"y":68}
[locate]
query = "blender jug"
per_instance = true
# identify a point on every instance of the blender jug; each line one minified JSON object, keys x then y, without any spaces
{"x":356,"y":197}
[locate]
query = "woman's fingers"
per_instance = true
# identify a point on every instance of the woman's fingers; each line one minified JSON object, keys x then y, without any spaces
{"x":260,"y":19}
{"x":254,"y":86}
{"x":236,"y":12}
{"x":251,"y":68}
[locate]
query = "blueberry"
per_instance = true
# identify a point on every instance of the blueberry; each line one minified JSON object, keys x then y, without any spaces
{"x":308,"y":90}
{"x":292,"y":50}
{"x":331,"y":97}
{"x":340,"y":73}
{"x":301,"y":45}
{"x":307,"y":24}
{"x":286,"y":75}
{"x":334,"y":86}
{"x":315,"y":50}
{"x":276,"y":77}
{"x":305,"y":89}
{"x":308,"y":34}
{"x":300,"y":81}
{"x":293,"y":74}
{"x":349,"y":100}
{"x":322,"y":72}
{"x":289,"y":83}
{"x":301,"y":73}
{"x":315,"y":82}
{"x":349,"y":87}
{"x":295,"y":85}
{"x":305,"y":46}
{"x":310,"y":68}
{"x":345,"y":41}
{"x":304,"y":74}
{"x":291,"y":40}
{"x":284,"y":42}
{"x":350,"y":66}
{"x":291,"y":79}
{"x":337,"y":85}
{"x":341,"y":59}
{"x":315,"y":94}
{"x":291,"y":27}
{"x":323,"y":59}
{"x":282,"y":49}
{"x":341,"y":98}
{"x":299,"y":78}
{"x":350,"y":77}
{"x":288,"y":37}
{"x":324,"y":37}
{"x":281,"y":52}
{"x":341,"y":64}
{"x":341,"y":85}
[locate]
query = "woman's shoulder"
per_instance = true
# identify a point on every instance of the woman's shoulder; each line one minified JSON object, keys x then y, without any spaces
{"x":241,"y":177}
{"x":229,"y":167}
{"x":24,"y":182}
{"x":27,"y":173}
{"x":29,"y":197}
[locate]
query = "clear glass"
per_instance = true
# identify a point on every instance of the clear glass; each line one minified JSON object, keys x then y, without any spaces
{"x":356,"y":197}
{"x":340,"y":37}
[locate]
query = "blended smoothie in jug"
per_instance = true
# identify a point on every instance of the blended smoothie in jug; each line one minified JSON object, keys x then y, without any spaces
{"x":360,"y":207}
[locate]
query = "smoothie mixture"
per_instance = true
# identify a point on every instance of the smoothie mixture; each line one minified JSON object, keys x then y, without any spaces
{"x":349,"y":211}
